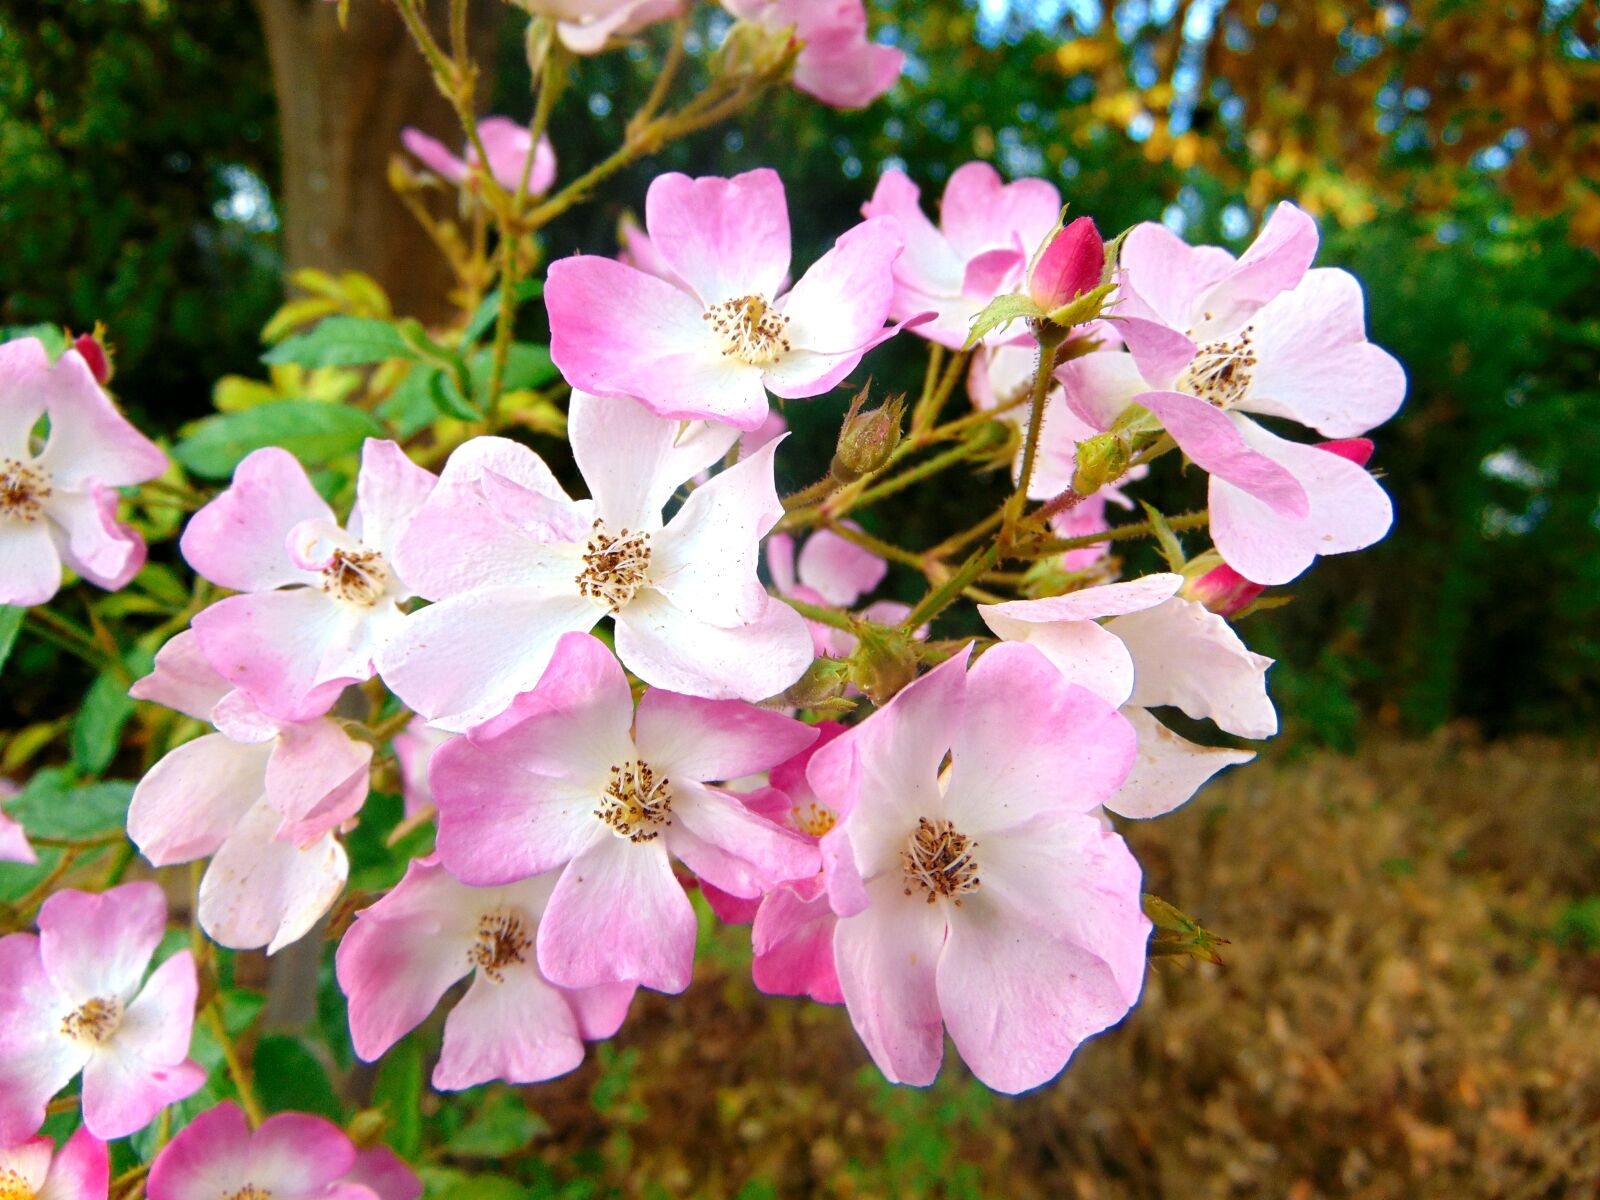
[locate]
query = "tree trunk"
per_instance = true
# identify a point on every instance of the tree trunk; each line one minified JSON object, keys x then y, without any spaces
{"x":343,"y":98}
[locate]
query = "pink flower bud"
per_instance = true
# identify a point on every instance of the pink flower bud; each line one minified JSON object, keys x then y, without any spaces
{"x":1068,"y":266}
{"x":1357,"y":450}
{"x":1223,"y":590}
{"x":95,"y":355}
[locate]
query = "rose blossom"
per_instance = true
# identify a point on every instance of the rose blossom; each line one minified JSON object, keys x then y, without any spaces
{"x":404,"y":952}
{"x":505,"y":141}
{"x":33,"y":1170}
{"x":318,"y":602}
{"x":986,"y":898}
{"x":717,"y":337}
{"x":838,"y":64}
{"x":262,"y":797}
{"x":71,"y":1001}
{"x":217,"y":1156}
{"x":513,"y":563}
{"x":59,"y":506}
{"x":570,"y":780}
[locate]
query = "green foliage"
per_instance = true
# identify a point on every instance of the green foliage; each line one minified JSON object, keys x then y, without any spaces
{"x":313,"y":432}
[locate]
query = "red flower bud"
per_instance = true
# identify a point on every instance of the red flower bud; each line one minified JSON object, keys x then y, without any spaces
{"x":1223,"y":590}
{"x":94,"y":354}
{"x":1068,"y":266}
{"x":1357,"y":450}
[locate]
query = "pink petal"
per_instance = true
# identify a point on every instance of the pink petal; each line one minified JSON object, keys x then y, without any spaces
{"x":1070,"y":265}
{"x":668,"y":648}
{"x":186,"y":805}
{"x":24,"y":372}
{"x":89,"y":439}
{"x":979,"y":212}
{"x":1216,"y":444}
{"x":507,"y":143}
{"x":601,"y":1010}
{"x":293,"y":1154}
{"x":99,"y":944}
{"x":385,"y":1174}
{"x":989,"y":274}
{"x":633,"y":460}
{"x":887,"y":958}
{"x":273,"y":646}
{"x":929,"y":265}
{"x":629,"y":891}
{"x":433,"y":154}
{"x":92,"y":543}
{"x":1275,"y":262}
{"x":14,"y":845}
{"x":238,"y":540}
{"x":793,"y":943}
{"x":1169,"y":769}
{"x":1315,"y":364}
{"x":615,"y":331}
{"x":1191,"y":658}
{"x":849,"y":73}
{"x":82,"y":1171}
{"x":728,"y":908}
{"x":1099,"y":387}
{"x":1082,"y":651}
{"x":725,"y":238}
{"x":182,"y":679}
{"x":840,"y":570}
{"x":122,"y":1095}
{"x":521,"y":1030}
{"x":27,"y":1162}
{"x":30,"y":567}
{"x":157,"y":1026}
{"x":1031,"y":744}
{"x":1086,"y":604}
{"x":389,"y":491}
{"x":317,"y":778}
{"x":1165,"y":275}
{"x":36,"y":1062}
{"x":745,"y":855}
{"x":1160,"y":353}
{"x":780,"y":563}
{"x":260,"y":891}
{"x":706,"y":740}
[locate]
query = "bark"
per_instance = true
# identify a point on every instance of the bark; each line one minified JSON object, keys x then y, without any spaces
{"x":343,"y":97}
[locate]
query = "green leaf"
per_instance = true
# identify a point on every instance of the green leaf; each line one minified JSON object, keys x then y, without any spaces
{"x":53,"y":336}
{"x":446,"y":1183}
{"x":53,"y":805}
{"x":447,"y":398}
{"x":398,"y":1092}
{"x":411,"y":408}
{"x":527,"y":366}
{"x":500,"y":1128}
{"x":311,"y":431}
{"x":10,"y":624}
{"x":489,"y":310}
{"x":1171,"y":548}
{"x":97,"y":725}
{"x":290,"y":1078}
{"x":1002,"y":310}
{"x":342,"y":342}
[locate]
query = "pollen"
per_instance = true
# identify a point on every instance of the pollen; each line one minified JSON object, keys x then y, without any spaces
{"x":750,"y":330}
{"x":94,"y":1021}
{"x":939,"y":860}
{"x":24,"y":488}
{"x":636,"y":805}
{"x":13,"y":1186}
{"x":503,"y":940}
{"x":249,"y":1192}
{"x":814,"y":819}
{"x":356,"y":576}
{"x":615,"y":566}
{"x":1221,"y":371}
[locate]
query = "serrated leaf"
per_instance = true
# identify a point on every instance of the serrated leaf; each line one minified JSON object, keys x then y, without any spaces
{"x":1171,"y":548}
{"x":53,"y":805}
{"x":10,"y":625}
{"x":489,"y":310}
{"x":342,"y":342}
{"x":1002,"y":310}
{"x":311,"y":431}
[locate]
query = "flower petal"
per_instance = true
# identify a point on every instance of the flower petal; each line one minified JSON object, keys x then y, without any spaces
{"x":725,"y":238}
{"x":1168,"y":770}
{"x":1216,"y":444}
{"x":186,"y":804}
{"x":688,"y":738}
{"x":82,"y":1171}
{"x":520,"y":1029}
{"x":841,"y":571}
{"x":260,"y":891}
{"x":792,"y":939}
{"x":389,"y":491}
{"x":89,"y":438}
{"x":99,"y":944}
{"x":30,"y":565}
{"x":239,"y":540}
{"x":720,"y":839}
{"x":273,"y":645}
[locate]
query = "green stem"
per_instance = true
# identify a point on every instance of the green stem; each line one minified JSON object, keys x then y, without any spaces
{"x":923,"y":470}
{"x":878,"y":546}
{"x":941,"y":597}
{"x":821,"y":614}
{"x":1049,"y":338}
{"x":1051,"y":546}
{"x":236,"y":1068}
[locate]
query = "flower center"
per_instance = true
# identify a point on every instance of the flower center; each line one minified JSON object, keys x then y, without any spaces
{"x":814,"y":819}
{"x":502,"y":941}
{"x":13,"y":1186}
{"x":249,"y":1192}
{"x":615,"y":566}
{"x":939,"y":860}
{"x":23,"y":489}
{"x":356,"y":576}
{"x":750,"y":330}
{"x":1220,"y":372}
{"x":636,"y":804}
{"x":95,"y":1021}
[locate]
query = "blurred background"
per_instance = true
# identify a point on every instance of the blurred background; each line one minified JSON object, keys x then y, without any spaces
{"x":1410,"y":884}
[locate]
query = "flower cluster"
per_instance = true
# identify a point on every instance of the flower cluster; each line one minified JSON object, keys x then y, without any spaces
{"x":604,"y":709}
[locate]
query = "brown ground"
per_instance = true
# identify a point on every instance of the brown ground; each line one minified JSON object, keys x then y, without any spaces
{"x":1409,"y":1008}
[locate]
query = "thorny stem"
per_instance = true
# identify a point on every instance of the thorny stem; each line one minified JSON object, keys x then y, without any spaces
{"x":1191,"y":520}
{"x":933,"y":399}
{"x":881,"y":548}
{"x":941,"y":597}
{"x":822,"y":614}
{"x":1049,"y":338}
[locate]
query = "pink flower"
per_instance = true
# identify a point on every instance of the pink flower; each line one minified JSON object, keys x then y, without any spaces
{"x":713,"y":341}
{"x":831,"y":571}
{"x":586,"y":26}
{"x":569,"y":781}
{"x":291,"y":1157}
{"x":59,"y":506}
{"x":384,"y":1173}
{"x":1153,"y":648}
{"x":262,"y":797}
{"x":1068,"y":265}
{"x":319,"y":602}
{"x":13,"y":838}
{"x":1212,"y":339}
{"x":987,"y":231}
{"x":414,"y":748}
{"x":505,"y":141}
{"x":837,"y":63}
{"x":986,"y":899}
{"x":71,"y":1001}
{"x":32,"y":1170}
{"x":406,"y":951}
{"x":513,"y":564}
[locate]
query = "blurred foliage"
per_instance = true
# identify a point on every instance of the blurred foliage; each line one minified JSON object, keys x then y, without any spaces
{"x":1449,"y":147}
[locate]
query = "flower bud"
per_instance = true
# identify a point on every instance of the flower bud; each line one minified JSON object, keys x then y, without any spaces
{"x":885,"y":660}
{"x":1069,"y":265}
{"x":94,"y":353}
{"x":1102,"y":459}
{"x":823,"y":682}
{"x":867,"y":439}
{"x":1218,"y":586}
